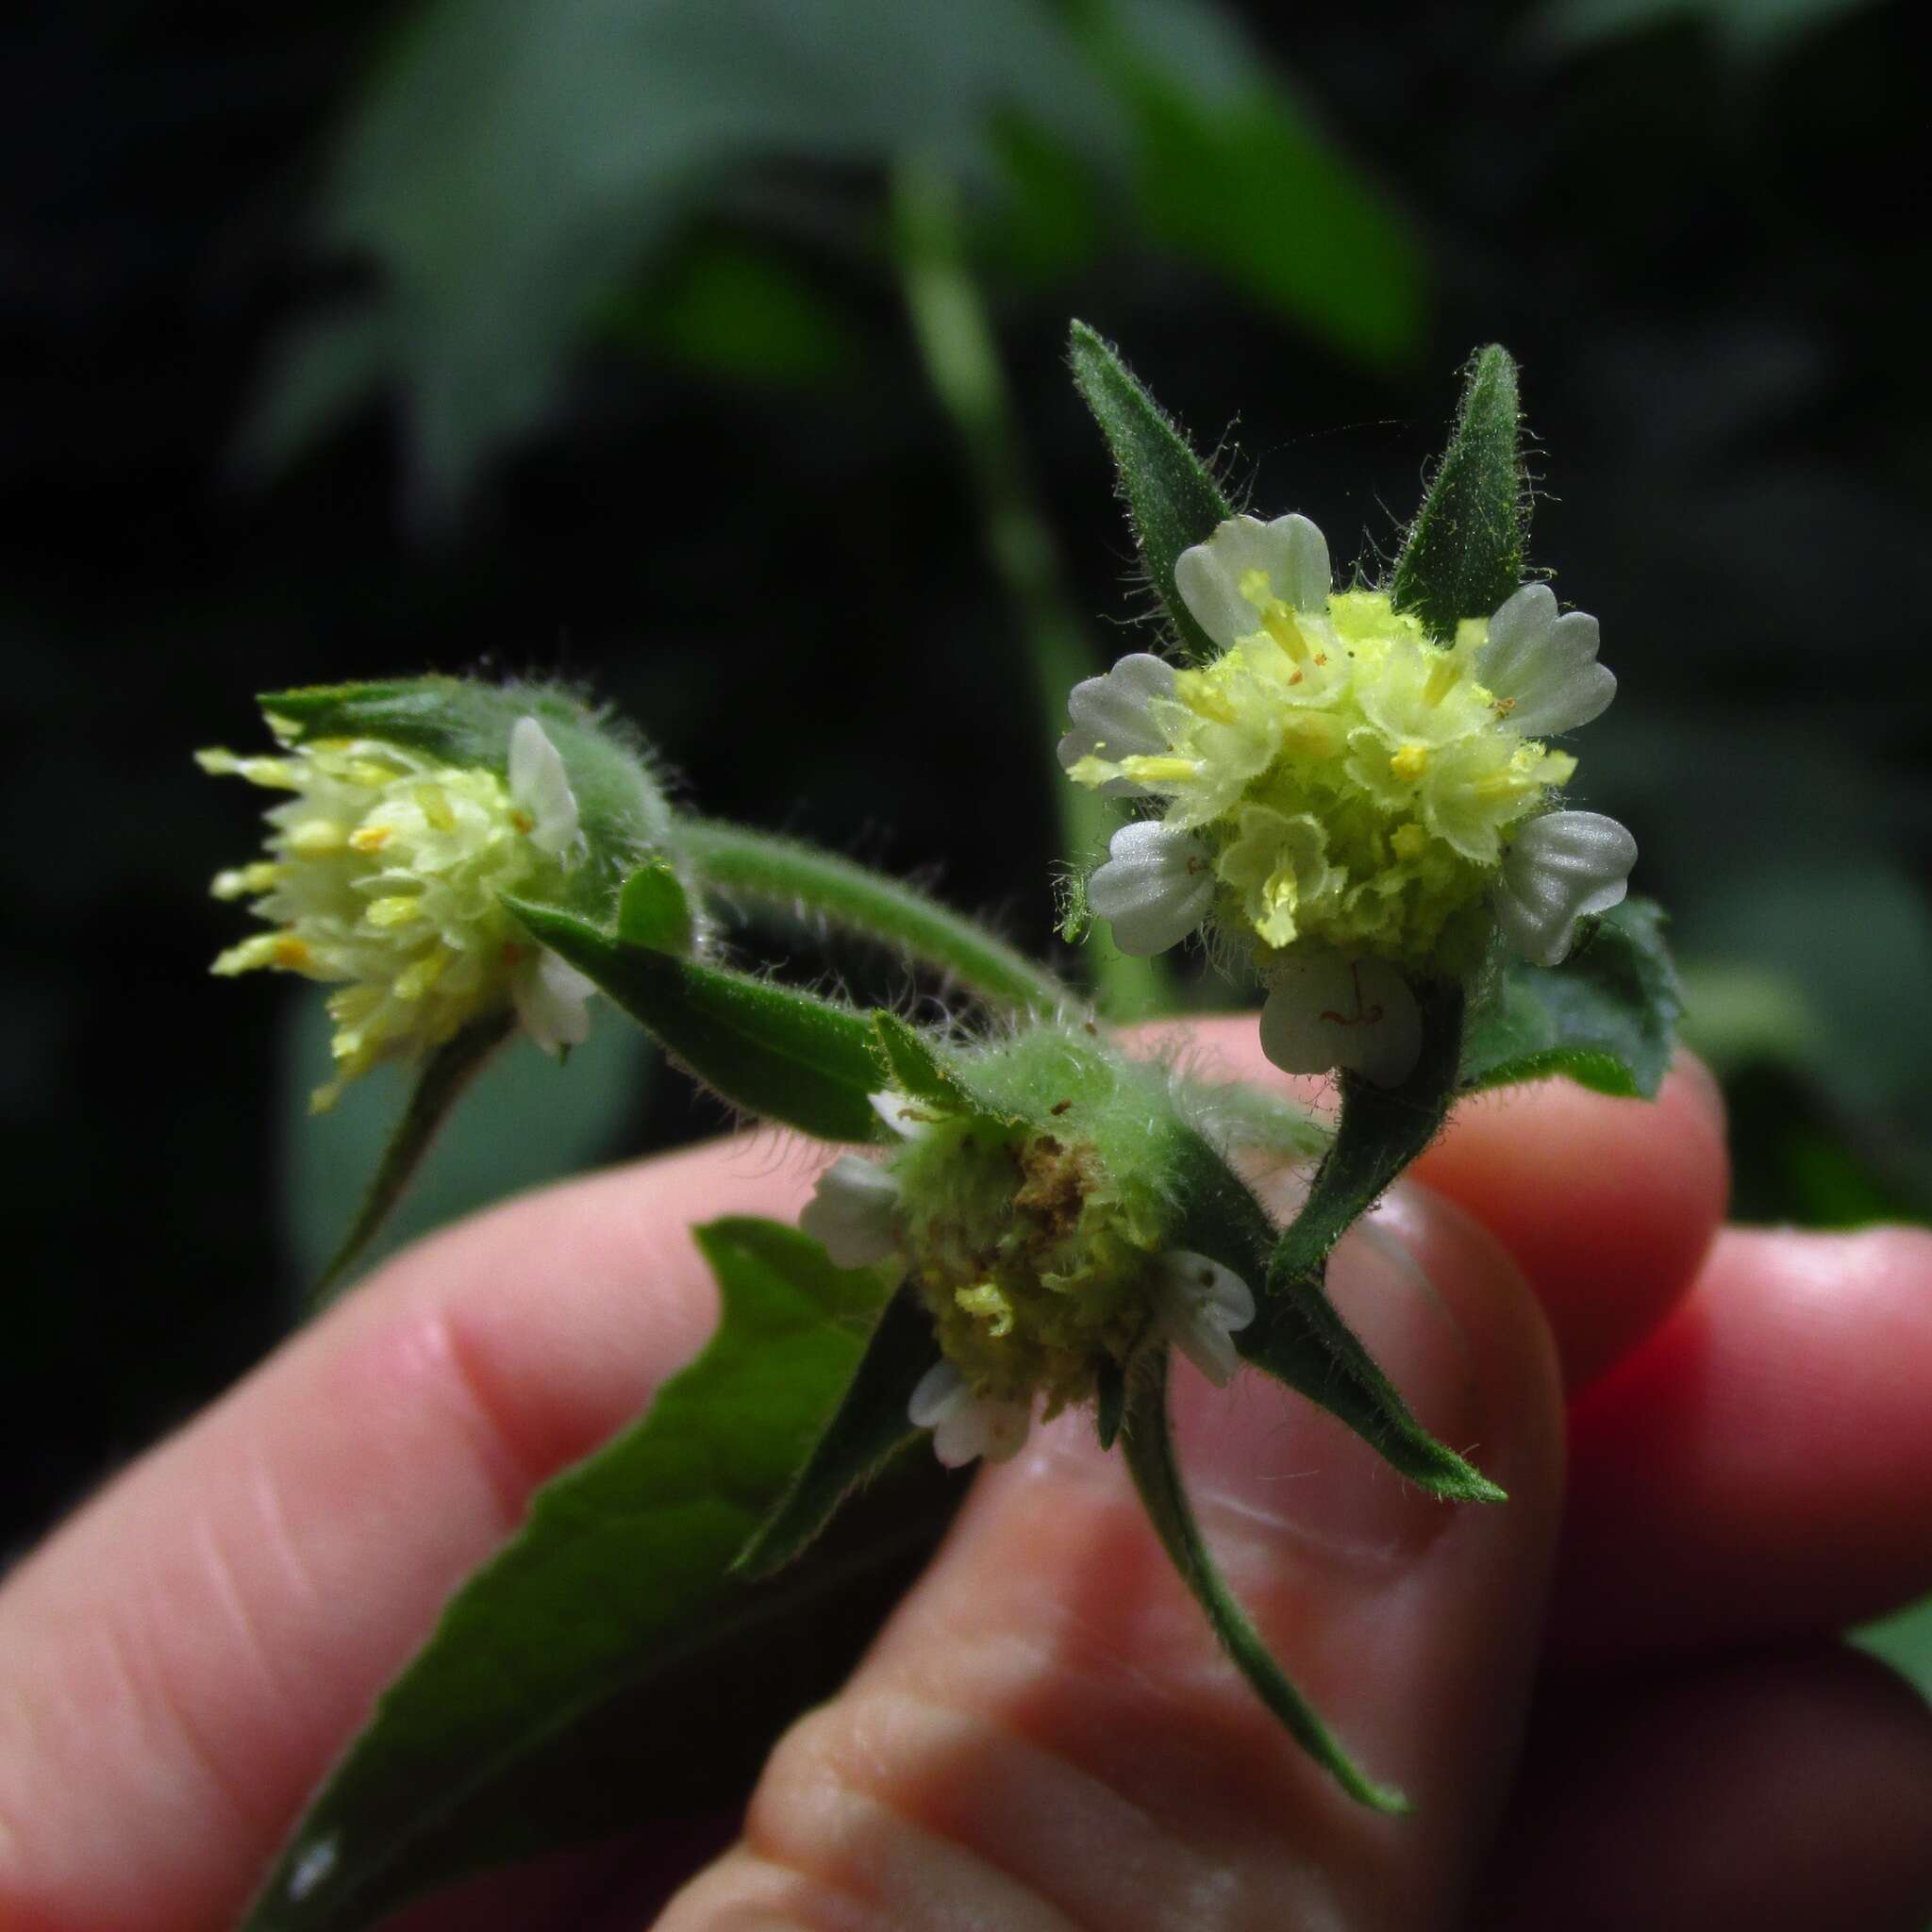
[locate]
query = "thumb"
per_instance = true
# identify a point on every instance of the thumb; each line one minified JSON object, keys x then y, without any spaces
{"x":1047,"y":1732}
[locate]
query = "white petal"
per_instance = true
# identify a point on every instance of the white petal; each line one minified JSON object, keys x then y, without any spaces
{"x":1291,"y":552}
{"x":1154,"y":888}
{"x":550,"y":1001}
{"x":1111,"y":717}
{"x":1201,"y":1305}
{"x":966,"y":1427}
{"x":853,"y":1215}
{"x":1545,"y":663}
{"x":938,"y":1393}
{"x":908,"y":1118}
{"x":1560,"y":869}
{"x":982,"y":1429}
{"x":539,"y":786}
{"x":1324,"y":1011}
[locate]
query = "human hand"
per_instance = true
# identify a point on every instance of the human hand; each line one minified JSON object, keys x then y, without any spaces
{"x":1045,"y":1735}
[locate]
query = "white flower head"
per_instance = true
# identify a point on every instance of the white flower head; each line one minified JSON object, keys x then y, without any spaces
{"x":967,"y":1427}
{"x":1323,"y":1011}
{"x":385,"y":875}
{"x":1200,"y":1305}
{"x":1229,"y":582}
{"x":1154,"y":888}
{"x":1560,"y":869}
{"x":854,"y":1213}
{"x":1113,"y":718}
{"x":1541,"y":667}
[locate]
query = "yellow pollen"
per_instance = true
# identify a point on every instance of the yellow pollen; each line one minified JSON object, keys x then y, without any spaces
{"x":434,"y":803}
{"x":291,"y":953}
{"x":523,"y":822}
{"x":1409,"y":841}
{"x":1410,"y":762}
{"x":371,"y":838}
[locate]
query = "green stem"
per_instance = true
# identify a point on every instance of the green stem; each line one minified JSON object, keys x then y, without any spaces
{"x":956,"y":340}
{"x":791,"y":876}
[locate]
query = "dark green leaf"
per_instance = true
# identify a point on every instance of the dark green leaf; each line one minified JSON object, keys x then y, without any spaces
{"x":782,"y":1054}
{"x":498,"y":1740}
{"x":870,"y":1426}
{"x":468,"y":723}
{"x":1464,"y":552}
{"x":654,"y":911}
{"x":1172,"y":501}
{"x":1149,"y":1445}
{"x":438,"y":1087}
{"x":916,"y":1069}
{"x":1605,"y":1018}
{"x":1296,"y":1335}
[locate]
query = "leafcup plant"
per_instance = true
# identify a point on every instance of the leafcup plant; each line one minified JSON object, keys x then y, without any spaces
{"x":1354,"y":796}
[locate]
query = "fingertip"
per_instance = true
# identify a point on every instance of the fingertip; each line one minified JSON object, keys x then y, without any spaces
{"x":1608,"y":1206}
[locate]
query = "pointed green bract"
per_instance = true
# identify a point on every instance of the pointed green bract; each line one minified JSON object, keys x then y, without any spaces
{"x":781,"y":1054}
{"x":1297,"y":1335}
{"x":1464,"y":552}
{"x":914,"y":1069}
{"x":1148,"y":1440}
{"x":543,"y":1709}
{"x":438,"y":1087}
{"x":654,"y":911}
{"x":868,"y":1427}
{"x":1172,"y":501}
{"x":1605,"y":1018}
{"x":621,"y":808}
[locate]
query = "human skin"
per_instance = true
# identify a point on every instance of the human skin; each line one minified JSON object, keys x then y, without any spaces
{"x":1615,"y":1700}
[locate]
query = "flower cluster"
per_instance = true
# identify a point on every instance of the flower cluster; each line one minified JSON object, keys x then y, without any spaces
{"x":385,"y":875}
{"x":1038,"y":1239}
{"x":1346,"y":799}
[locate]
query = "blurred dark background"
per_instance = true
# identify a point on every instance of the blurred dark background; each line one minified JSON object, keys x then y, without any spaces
{"x":351,"y":341}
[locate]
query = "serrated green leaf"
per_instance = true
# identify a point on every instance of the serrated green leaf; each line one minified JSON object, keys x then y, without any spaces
{"x":654,"y":911}
{"x":461,"y":722}
{"x":1148,"y":1439}
{"x":436,"y":1090}
{"x":1297,"y":1335}
{"x":1464,"y":551}
{"x":785,"y":1055}
{"x":870,"y":1426}
{"x":574,"y":1678}
{"x":1605,"y":1018}
{"x":1172,"y":503}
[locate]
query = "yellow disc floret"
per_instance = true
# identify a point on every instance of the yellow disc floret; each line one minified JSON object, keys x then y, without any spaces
{"x":384,"y":874}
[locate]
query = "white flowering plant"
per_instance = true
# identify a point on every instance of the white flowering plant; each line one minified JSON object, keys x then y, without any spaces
{"x":1357,"y":797}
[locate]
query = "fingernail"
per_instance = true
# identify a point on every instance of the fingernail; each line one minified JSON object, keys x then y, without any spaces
{"x":1260,"y":1451}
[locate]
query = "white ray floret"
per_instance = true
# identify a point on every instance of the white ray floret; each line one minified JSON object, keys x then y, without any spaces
{"x":1112,"y":718}
{"x":967,"y":1427}
{"x":853,"y":1215}
{"x":1323,"y":1011}
{"x":1542,"y":666}
{"x":1217,"y":579}
{"x":1560,"y":869}
{"x":551,"y":1000}
{"x":1200,"y":1305}
{"x":1154,"y":888}
{"x":539,"y":789}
